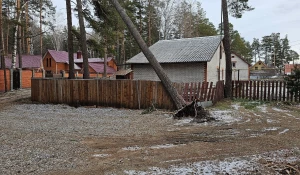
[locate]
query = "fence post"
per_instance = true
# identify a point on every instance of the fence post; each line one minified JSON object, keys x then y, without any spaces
{"x":11,"y":79}
{"x":43,"y":73}
{"x":32,"y":73}
{"x":20,"y":72}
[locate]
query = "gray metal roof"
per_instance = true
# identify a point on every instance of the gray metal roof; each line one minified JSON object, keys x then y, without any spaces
{"x":199,"y":49}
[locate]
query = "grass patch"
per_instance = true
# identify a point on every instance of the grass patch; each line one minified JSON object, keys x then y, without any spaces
{"x":222,"y":105}
{"x":248,"y":104}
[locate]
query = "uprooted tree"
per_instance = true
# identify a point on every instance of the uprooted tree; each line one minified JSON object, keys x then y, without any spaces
{"x":177,"y":99}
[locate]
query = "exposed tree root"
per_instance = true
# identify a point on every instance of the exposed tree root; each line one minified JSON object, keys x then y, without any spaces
{"x":199,"y":114}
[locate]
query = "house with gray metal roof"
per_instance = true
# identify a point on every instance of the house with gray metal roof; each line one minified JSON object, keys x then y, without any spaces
{"x":184,"y":60}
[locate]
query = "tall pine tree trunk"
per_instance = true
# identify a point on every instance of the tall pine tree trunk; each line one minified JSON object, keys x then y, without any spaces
{"x":226,"y":42}
{"x":105,"y":58}
{"x":70,"y":40}
{"x":7,"y":32}
{"x":123,"y":51}
{"x":86,"y":73}
{"x":41,"y":27}
{"x":177,"y":99}
{"x":149,"y":22}
{"x":2,"y":48}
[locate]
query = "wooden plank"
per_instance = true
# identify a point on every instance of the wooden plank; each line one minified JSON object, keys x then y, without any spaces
{"x":247,"y":89}
{"x":262,"y":90}
{"x":276,"y":91}
{"x":205,"y":93}
{"x":232,"y":89}
{"x":213,"y":94}
{"x":186,"y":87}
{"x":199,"y":91}
{"x":269,"y":91}
{"x":236,"y":89}
{"x":273,"y":91}
{"x":285,"y":92}
{"x":190,"y":92}
{"x":118,"y":92}
{"x":280,"y":91}
{"x":250,"y":90}
{"x":240,"y":89}
{"x":257,"y":90}
{"x":210,"y":91}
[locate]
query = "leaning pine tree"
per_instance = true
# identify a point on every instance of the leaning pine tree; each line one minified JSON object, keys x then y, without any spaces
{"x":184,"y":110}
{"x":293,"y":83}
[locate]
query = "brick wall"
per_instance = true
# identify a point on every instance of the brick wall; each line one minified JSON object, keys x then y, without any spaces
{"x":26,"y":79}
{"x":2,"y":85}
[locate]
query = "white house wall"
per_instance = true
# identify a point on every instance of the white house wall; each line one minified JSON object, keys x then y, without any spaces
{"x":177,"y":72}
{"x":213,"y":65}
{"x":243,"y":68}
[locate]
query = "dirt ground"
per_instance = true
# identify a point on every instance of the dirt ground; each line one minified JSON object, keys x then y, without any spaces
{"x":246,"y":138}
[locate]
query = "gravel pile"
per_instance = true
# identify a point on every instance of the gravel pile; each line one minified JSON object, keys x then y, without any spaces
{"x":37,"y":138}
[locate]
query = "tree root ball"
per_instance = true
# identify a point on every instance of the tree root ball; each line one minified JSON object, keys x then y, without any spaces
{"x":199,"y":114}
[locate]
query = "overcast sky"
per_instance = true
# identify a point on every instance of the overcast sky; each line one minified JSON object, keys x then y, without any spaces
{"x":278,"y":16}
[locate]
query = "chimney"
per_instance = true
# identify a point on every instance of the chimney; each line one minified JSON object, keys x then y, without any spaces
{"x":79,"y":55}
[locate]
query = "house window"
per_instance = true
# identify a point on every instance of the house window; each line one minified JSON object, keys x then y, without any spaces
{"x":259,"y":63}
{"x":233,"y":64}
{"x":232,"y":56}
{"x":256,"y":68}
{"x":47,"y":62}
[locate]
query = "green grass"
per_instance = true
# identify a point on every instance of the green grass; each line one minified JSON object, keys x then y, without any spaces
{"x":249,"y":104}
{"x":222,"y":105}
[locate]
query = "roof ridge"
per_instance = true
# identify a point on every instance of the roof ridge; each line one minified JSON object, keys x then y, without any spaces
{"x":213,"y":36}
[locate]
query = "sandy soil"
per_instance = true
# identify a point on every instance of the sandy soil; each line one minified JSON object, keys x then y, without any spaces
{"x":247,"y":138}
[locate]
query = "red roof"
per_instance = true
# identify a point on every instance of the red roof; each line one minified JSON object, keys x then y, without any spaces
{"x":93,"y":60}
{"x":60,"y":56}
{"x":63,"y":57}
{"x":99,"y":68}
{"x":289,"y":67}
{"x":28,"y":61}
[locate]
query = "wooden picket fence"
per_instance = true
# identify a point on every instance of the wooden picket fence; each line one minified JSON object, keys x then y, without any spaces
{"x":263,"y":90}
{"x":133,"y":94}
{"x":205,"y":91}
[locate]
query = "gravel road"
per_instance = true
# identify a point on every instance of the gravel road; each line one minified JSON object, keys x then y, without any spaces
{"x":38,"y":138}
{"x":45,"y":139}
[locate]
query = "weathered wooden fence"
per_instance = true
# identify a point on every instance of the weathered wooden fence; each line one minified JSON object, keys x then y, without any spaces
{"x":263,"y":90}
{"x":133,"y":94}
